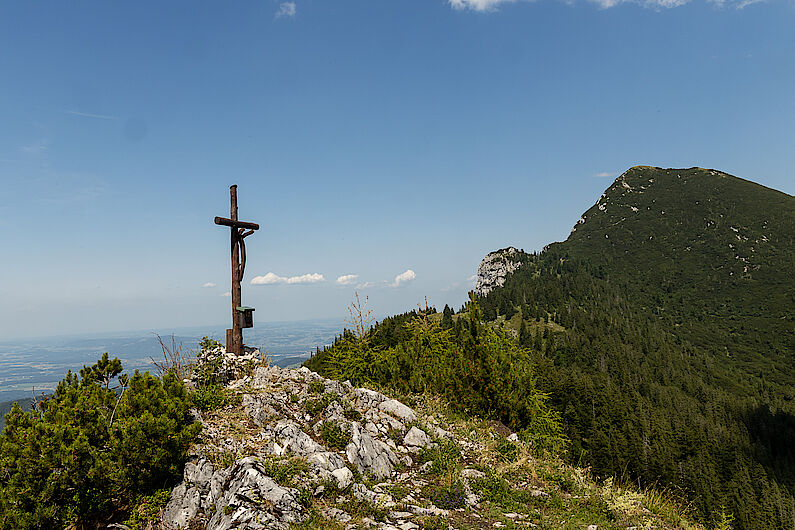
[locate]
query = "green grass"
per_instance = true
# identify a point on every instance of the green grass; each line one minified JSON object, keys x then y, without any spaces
{"x":287,"y":471}
{"x":445,"y":458}
{"x":318,"y":405}
{"x":213,"y":397}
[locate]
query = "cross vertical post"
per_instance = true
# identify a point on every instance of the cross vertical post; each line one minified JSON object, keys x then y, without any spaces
{"x":239,"y":230}
{"x":237,"y":331}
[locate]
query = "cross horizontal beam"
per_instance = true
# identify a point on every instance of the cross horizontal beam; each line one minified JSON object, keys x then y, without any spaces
{"x":236,"y":224}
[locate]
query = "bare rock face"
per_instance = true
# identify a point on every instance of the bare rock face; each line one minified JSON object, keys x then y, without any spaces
{"x":252,"y":499}
{"x":326,"y":433}
{"x":494,"y":268}
{"x":370,"y":455}
{"x":416,"y":439}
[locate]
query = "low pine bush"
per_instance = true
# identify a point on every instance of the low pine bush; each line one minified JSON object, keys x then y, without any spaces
{"x":478,"y":367}
{"x":89,"y":449}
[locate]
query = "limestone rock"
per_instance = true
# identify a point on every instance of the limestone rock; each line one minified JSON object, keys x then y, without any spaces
{"x":184,"y":505}
{"x":254,"y":500}
{"x":398,"y":409}
{"x":416,"y":439}
{"x":494,"y":268}
{"x":290,"y":437}
{"x":343,"y":476}
{"x":369,"y":454}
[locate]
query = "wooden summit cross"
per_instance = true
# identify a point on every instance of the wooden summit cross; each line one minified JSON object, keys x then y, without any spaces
{"x":241,"y":315}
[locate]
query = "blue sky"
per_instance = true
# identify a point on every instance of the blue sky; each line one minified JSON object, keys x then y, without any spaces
{"x":368,"y":139}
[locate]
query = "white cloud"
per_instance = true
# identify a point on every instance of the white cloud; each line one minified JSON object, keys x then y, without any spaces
{"x":228,"y":293}
{"x":267,"y":279}
{"x":605,"y":174}
{"x":89,"y":115}
{"x":286,"y":9}
{"x":272,"y":278}
{"x":484,"y":6}
{"x":478,"y":5}
{"x":209,"y":284}
{"x":652,"y":4}
{"x":404,"y":277}
{"x":365,"y":285}
{"x":347,"y":279}
{"x":473,"y":278}
{"x":746,"y":3}
{"x":306,"y":278}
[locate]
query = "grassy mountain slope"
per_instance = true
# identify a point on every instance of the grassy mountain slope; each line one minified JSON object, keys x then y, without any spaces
{"x":675,"y":291}
{"x":710,"y":253}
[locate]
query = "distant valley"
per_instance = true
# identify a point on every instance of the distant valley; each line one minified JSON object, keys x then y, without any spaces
{"x":41,"y":363}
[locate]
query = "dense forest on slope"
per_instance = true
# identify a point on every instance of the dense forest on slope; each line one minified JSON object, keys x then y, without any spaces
{"x":675,"y":293}
{"x":663,"y":332}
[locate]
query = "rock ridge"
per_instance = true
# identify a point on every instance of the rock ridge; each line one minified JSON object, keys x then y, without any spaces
{"x":308,"y":430}
{"x":494,"y":268}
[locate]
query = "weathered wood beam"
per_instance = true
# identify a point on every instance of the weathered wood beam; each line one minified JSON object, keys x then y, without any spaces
{"x":236,"y":224}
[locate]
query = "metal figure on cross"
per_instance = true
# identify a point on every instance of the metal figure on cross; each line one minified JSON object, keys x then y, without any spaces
{"x":241,"y":315}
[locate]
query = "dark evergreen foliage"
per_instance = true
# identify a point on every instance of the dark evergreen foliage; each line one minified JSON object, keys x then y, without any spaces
{"x":676,"y":362}
{"x":663,"y":331}
{"x":479,"y":369}
{"x":88,"y":450}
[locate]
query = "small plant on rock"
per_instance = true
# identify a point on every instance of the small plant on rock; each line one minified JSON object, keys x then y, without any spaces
{"x":448,"y":497}
{"x":353,"y":414}
{"x":334,"y":436}
{"x":445,"y":456}
{"x":148,"y":509}
{"x":213,"y":397}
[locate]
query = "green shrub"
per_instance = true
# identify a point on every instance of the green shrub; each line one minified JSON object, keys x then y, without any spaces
{"x":213,"y":397}
{"x":395,"y":435}
{"x":147,"y":509}
{"x":507,"y":451}
{"x":433,"y":522}
{"x":316,"y":406}
{"x":284,"y":472}
{"x":448,"y":497}
{"x":353,"y":415}
{"x":495,"y":489}
{"x":208,"y":362}
{"x":445,"y":456}
{"x":89,"y":449}
{"x":334,"y":436}
{"x":352,"y":359}
{"x":479,"y":368}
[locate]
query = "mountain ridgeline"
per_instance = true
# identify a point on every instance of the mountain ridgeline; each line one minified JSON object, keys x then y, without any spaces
{"x":660,"y":336}
{"x":671,"y":350}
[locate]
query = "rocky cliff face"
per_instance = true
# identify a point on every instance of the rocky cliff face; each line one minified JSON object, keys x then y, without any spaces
{"x":494,"y":268}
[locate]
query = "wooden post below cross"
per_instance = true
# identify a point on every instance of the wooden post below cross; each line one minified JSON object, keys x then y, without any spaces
{"x":241,"y":316}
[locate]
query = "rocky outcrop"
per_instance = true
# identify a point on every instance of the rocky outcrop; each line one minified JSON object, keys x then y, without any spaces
{"x":494,"y":268}
{"x":293,"y":450}
{"x":242,"y":496}
{"x":309,"y":432}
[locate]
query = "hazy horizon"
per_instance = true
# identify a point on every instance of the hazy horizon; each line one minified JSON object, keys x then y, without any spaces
{"x":382,"y":147}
